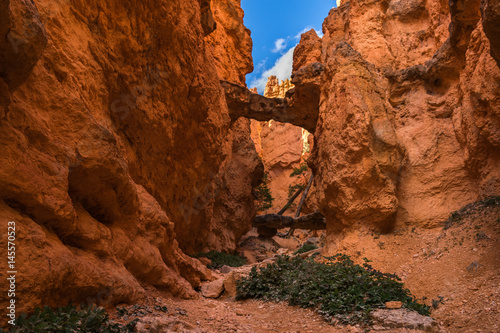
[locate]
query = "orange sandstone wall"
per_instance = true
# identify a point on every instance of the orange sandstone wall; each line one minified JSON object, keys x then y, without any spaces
{"x":116,"y":146}
{"x":232,"y":210}
{"x":409,"y":121}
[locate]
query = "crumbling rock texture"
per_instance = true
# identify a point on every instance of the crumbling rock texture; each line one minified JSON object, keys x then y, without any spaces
{"x":408,"y":126}
{"x":360,"y":155}
{"x":24,"y":40}
{"x":223,"y":210}
{"x":275,"y":88}
{"x":230,"y":44}
{"x":233,"y":210}
{"x":117,"y":148}
{"x":244,"y":103}
{"x":490,"y":11}
{"x":307,"y":51}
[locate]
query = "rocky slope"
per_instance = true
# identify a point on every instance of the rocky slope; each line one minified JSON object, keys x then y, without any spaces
{"x":408,"y":127}
{"x":117,"y":147}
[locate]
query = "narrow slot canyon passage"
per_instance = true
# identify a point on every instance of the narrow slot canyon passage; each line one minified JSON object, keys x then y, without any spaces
{"x":250,"y":166}
{"x":284,"y":149}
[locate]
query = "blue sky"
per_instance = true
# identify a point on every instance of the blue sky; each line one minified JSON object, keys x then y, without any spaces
{"x":276,"y":26}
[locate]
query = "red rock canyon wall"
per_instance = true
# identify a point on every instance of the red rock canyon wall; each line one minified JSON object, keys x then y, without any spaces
{"x":117,"y":150}
{"x":409,"y":114}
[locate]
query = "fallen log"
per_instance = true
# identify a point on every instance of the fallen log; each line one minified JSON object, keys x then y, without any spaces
{"x":314,"y":221}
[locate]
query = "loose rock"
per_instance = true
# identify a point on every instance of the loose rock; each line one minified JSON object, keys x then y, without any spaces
{"x":402,"y":318}
{"x":212,"y":289}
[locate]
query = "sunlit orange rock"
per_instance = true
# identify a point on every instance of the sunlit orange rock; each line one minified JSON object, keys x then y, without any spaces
{"x":408,"y":122}
{"x":117,"y":149}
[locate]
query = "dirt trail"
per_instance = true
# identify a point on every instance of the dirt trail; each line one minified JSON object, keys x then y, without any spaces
{"x":455,"y":270}
{"x":226,"y":315}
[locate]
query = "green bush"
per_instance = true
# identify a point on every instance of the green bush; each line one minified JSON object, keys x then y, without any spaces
{"x":456,"y":217}
{"x":306,"y":248}
{"x":297,"y":171}
{"x":220,"y":259}
{"x":263,"y":193}
{"x":66,"y":319}
{"x":338,"y":289}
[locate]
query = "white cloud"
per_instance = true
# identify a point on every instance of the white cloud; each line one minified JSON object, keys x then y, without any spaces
{"x":261,"y":65}
{"x":279,"y":45}
{"x":318,"y":32}
{"x":282,"y":69}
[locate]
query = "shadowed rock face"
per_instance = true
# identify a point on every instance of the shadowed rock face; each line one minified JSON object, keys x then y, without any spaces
{"x":490,"y":12}
{"x":206,"y":17}
{"x":23,"y":40}
{"x":244,"y":103}
{"x":408,"y":122}
{"x":225,"y":206}
{"x":117,"y":149}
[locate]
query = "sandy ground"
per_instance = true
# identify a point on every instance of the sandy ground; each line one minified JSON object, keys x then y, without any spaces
{"x":454,"y":270}
{"x":226,"y":315}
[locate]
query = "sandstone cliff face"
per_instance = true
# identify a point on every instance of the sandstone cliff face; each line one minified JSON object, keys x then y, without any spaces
{"x":114,"y":136}
{"x":230,"y":44}
{"x":490,"y":12}
{"x":231,"y":214}
{"x":281,"y":152}
{"x":223,"y":211}
{"x":409,"y":118}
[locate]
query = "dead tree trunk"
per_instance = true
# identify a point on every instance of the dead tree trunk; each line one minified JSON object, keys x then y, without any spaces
{"x":302,"y":200}
{"x":304,"y":196}
{"x":289,"y":203}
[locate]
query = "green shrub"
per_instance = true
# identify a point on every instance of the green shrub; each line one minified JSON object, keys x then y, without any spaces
{"x":306,"y":248}
{"x":297,"y":171}
{"x":456,"y":217}
{"x":66,"y":319}
{"x":338,"y":289}
{"x":263,"y":193}
{"x":220,"y":259}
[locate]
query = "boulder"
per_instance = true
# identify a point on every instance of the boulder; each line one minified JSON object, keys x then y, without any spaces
{"x":212,"y":289}
{"x":403,"y":318}
{"x":393,"y":305}
{"x":231,"y":280}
